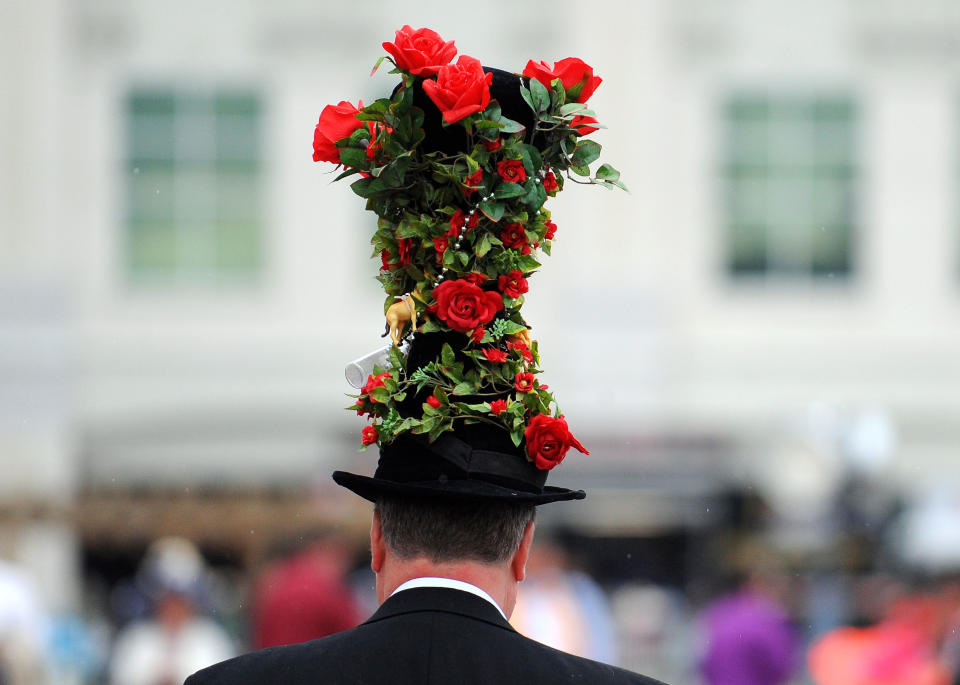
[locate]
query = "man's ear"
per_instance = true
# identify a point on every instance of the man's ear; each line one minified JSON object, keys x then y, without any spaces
{"x":377,"y":546}
{"x":518,"y":565}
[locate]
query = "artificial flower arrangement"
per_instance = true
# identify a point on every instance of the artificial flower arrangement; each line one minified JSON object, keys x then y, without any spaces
{"x":458,"y":233}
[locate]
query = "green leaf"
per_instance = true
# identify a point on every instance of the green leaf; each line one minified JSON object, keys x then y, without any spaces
{"x":392,"y":175}
{"x":507,"y":189}
{"x":353,"y":157}
{"x":607,"y":173}
{"x":483,"y":246}
{"x":517,"y":434}
{"x":348,"y":172}
{"x":540,"y":96}
{"x":571,"y":108}
{"x":586,"y":152}
{"x":464,"y":388}
{"x":527,"y":97}
{"x":377,"y":65}
{"x":381,"y":395}
{"x":492,"y":210}
{"x":447,"y":356}
{"x":580,"y":170}
{"x":510,"y":126}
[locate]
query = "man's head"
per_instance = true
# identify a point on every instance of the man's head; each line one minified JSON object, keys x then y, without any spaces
{"x":481,"y":542}
{"x":444,"y":530}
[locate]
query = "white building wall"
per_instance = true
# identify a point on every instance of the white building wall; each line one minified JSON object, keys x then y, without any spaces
{"x":642,"y":332}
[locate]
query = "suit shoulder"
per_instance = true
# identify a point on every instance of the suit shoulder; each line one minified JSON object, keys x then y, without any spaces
{"x":585,"y":670}
{"x":270,"y":665}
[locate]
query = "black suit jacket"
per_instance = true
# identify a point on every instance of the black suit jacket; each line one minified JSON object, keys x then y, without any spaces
{"x":422,"y":636}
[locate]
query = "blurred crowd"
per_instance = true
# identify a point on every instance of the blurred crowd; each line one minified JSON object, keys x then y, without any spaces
{"x":767,"y":625}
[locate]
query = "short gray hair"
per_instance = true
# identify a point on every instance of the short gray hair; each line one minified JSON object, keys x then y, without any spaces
{"x":445,"y":530}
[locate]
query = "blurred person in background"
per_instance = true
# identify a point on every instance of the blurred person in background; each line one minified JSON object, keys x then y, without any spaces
{"x":564,"y":608}
{"x":305,"y":595}
{"x":909,"y":645}
{"x":175,"y":639}
{"x":21,"y":629}
{"x":748,"y":636}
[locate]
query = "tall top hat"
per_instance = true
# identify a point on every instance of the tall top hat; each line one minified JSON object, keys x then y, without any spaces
{"x":457,"y":163}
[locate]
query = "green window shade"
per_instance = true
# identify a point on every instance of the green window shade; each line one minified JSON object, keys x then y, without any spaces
{"x":789,"y":173}
{"x":193,"y":190}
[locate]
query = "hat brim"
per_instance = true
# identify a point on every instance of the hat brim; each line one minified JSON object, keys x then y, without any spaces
{"x":459,"y":489}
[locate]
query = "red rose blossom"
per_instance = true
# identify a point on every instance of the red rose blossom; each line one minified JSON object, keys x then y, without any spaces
{"x":374,"y":382}
{"x":478,"y":334}
{"x":524,"y":381}
{"x":460,"y":90}
{"x":403,"y":249}
{"x":513,"y":284}
{"x":550,"y":182}
{"x":384,"y":260}
{"x":475,"y":277}
{"x":421,"y":52}
{"x":474,"y":179}
{"x":494,"y":355}
{"x":463,"y":306}
{"x":369,"y":435}
{"x":548,"y":439}
{"x":551,"y":230}
{"x":575,"y":74}
{"x":580,"y":125}
{"x":514,"y":236}
{"x":360,"y":410}
{"x":498,"y":406}
{"x":440,"y":245}
{"x":434,"y":402}
{"x":336,"y":122}
{"x":524,"y":351}
{"x":492,"y":145}
{"x":512,"y":170}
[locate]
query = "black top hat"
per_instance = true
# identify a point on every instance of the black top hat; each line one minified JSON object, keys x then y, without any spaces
{"x":458,"y":174}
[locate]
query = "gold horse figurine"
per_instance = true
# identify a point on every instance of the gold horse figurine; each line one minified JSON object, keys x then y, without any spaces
{"x":399,"y":314}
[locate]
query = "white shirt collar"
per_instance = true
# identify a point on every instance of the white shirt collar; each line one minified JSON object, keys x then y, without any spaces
{"x":432,"y":581}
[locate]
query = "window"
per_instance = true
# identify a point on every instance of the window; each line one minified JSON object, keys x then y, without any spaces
{"x":790,"y":176}
{"x":193,"y":187}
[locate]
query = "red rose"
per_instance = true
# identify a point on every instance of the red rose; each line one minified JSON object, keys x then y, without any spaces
{"x":463,"y":306}
{"x":360,"y":410}
{"x":514,"y":236}
{"x":440,"y":245}
{"x":369,"y":435}
{"x":550,"y":182}
{"x":524,"y":382}
{"x":548,"y":440}
{"x":374,"y":382}
{"x":551,"y":230}
{"x":336,"y":122}
{"x":492,"y":145}
{"x":434,"y":402}
{"x":575,"y":74}
{"x":384,"y":260}
{"x":475,"y":277}
{"x":498,"y":406}
{"x":478,"y":334}
{"x":513,"y":284}
{"x":512,"y":170}
{"x":522,"y":349}
{"x":579,"y":124}
{"x":474,"y":179}
{"x":460,"y":90}
{"x":494,"y":355}
{"x":421,"y":52}
{"x":403,"y":249}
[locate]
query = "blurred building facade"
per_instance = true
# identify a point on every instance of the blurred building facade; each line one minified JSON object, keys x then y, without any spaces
{"x":777,"y":301}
